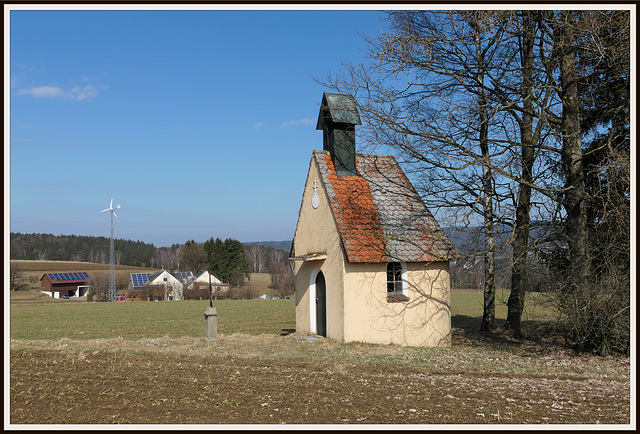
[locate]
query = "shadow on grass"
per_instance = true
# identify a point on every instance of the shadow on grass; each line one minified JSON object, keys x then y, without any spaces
{"x":287,"y":332}
{"x":465,"y":331}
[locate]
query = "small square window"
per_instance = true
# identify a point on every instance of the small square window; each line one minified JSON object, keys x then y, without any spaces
{"x":396,"y":283}
{"x":394,"y":277}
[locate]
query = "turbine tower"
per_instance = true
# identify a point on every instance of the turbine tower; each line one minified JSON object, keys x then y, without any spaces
{"x":112,"y":267}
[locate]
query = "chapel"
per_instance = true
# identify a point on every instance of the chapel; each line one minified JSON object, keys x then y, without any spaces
{"x":371,"y":261}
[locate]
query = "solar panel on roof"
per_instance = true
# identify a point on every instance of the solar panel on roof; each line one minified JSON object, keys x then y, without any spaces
{"x":139,"y":279}
{"x":80,"y":275}
{"x":183,"y":274}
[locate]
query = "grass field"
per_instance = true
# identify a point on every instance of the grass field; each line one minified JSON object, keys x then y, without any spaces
{"x":134,"y":320}
{"x":81,"y":320}
{"x":74,"y":362}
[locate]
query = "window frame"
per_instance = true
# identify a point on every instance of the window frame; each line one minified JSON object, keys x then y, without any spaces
{"x":399,"y":277}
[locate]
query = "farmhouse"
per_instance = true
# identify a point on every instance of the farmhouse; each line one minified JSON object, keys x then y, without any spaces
{"x":372,"y":263}
{"x":203,"y":277}
{"x":72,"y":284}
{"x":201,"y":281}
{"x":161,"y":285}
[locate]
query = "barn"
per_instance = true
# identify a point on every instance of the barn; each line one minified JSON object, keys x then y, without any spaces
{"x":371,"y":262}
{"x":72,"y":284}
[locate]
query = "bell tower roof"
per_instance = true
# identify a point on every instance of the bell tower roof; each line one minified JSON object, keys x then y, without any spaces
{"x":338,"y":119}
{"x":338,"y":109}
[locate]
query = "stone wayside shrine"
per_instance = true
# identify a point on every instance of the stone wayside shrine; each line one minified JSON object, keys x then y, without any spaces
{"x":371,"y":262}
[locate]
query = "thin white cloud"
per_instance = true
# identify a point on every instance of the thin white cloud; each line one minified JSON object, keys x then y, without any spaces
{"x":258,"y":125}
{"x":303,"y":121}
{"x":43,"y":92}
{"x":16,"y":79}
{"x":84,"y":92}
{"x":77,"y":93}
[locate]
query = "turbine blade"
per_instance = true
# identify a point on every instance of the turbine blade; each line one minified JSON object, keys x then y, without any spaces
{"x":111,"y":204}
{"x":105,"y":210}
{"x":114,"y":214}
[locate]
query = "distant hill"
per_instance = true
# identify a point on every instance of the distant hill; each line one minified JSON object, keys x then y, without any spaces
{"x":471,"y":239}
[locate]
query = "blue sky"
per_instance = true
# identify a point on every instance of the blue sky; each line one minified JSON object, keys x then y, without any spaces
{"x":199,"y":123}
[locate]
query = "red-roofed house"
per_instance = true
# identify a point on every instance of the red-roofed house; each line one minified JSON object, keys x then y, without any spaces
{"x":372,"y":263}
{"x":72,"y":284}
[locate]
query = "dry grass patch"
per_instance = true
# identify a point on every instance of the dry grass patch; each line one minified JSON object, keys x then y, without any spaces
{"x":269,"y":379}
{"x":141,"y":363}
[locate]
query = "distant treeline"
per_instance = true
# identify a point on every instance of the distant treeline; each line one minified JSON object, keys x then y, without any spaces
{"x":79,"y":248}
{"x":48,"y":247}
{"x":278,"y":245}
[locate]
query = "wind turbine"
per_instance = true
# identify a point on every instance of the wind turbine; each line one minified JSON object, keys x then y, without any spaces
{"x":112,"y":267}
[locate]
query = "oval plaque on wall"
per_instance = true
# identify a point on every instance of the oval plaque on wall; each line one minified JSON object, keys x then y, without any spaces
{"x":315,"y":199}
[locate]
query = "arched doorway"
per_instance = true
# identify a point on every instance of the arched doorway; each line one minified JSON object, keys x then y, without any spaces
{"x":318,"y":303}
{"x":321,"y":305}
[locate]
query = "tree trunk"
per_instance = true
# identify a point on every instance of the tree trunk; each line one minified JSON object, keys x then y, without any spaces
{"x":575,"y":197}
{"x":489,"y":313}
{"x":520,"y":243}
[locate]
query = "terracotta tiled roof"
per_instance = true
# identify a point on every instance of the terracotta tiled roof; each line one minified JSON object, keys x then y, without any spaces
{"x":355,"y":213}
{"x":379,"y":214}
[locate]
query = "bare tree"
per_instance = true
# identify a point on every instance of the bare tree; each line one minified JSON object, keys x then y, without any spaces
{"x":439,"y":116}
{"x":33,"y":279}
{"x":277,"y":256}
{"x":100,"y":286}
{"x":483,"y":108}
{"x":255,"y":255}
{"x":16,"y":278}
{"x":593,"y":277}
{"x":489,"y":312}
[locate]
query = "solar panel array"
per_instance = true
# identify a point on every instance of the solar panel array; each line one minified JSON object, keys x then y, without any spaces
{"x":183,"y":274}
{"x":69,"y":276}
{"x":139,"y":279}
